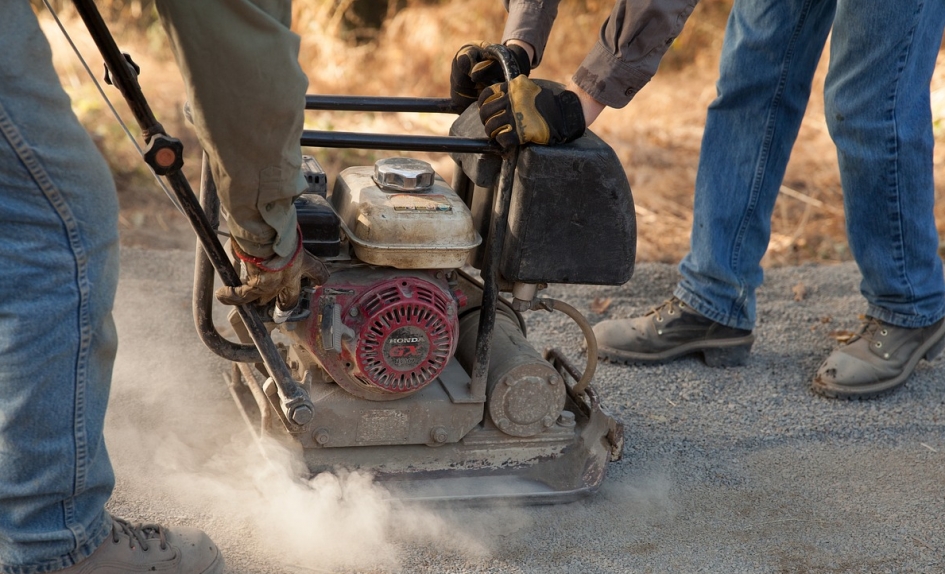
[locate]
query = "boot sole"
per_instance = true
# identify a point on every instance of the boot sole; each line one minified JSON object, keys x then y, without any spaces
{"x":928,"y":351}
{"x":718,"y":353}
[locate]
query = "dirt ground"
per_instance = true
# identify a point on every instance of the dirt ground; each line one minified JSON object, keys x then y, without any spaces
{"x":726,"y":471}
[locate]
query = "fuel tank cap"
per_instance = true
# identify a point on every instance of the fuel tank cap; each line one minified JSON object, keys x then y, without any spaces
{"x":403,"y":174}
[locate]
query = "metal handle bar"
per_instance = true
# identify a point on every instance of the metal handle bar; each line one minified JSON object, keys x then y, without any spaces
{"x":339,"y":103}
{"x":496,"y":242}
{"x":435,"y":144}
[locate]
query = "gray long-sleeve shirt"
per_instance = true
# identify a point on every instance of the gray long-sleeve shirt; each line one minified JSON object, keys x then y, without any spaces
{"x":628,"y":51}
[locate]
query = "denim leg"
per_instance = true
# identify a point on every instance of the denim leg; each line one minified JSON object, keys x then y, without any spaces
{"x":769,"y":56}
{"x":878,"y":112}
{"x":58,"y":274}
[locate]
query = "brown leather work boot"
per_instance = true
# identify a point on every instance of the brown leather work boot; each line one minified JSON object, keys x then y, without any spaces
{"x":151,"y":548}
{"x":878,"y":359}
{"x":668,"y":332}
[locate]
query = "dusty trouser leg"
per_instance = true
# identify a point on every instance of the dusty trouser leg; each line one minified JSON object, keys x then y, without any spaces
{"x":879,"y":115}
{"x":877,"y":107}
{"x":240,"y":63}
{"x":58,"y":276}
{"x":769,"y":56}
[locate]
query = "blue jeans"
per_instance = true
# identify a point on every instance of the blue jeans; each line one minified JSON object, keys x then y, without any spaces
{"x":58,"y":274}
{"x":882,"y":55}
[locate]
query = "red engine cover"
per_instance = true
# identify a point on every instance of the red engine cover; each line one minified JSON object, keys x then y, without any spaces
{"x":405,"y":334}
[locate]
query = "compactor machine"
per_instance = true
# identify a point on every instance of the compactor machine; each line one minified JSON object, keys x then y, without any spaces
{"x":412,"y":361}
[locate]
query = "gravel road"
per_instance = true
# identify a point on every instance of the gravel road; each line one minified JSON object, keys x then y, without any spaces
{"x":737,"y":470}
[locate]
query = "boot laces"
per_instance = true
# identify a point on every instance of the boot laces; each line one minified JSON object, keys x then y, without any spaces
{"x":870,"y":330}
{"x":669,"y":307}
{"x":140,"y":532}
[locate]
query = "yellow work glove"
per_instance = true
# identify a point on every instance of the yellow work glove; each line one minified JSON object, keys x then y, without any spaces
{"x":521,"y":111}
{"x":278,"y":278}
{"x":472,"y":70}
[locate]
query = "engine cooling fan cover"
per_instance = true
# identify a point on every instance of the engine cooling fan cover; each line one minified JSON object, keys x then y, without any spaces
{"x":407,"y":335}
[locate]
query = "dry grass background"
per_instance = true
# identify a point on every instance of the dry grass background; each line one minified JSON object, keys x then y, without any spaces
{"x":657,"y":136}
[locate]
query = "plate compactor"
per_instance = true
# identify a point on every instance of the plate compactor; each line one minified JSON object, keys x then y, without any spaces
{"x":411,"y":361}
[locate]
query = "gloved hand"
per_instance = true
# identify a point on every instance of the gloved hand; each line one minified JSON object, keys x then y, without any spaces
{"x":278,"y":278}
{"x":472,"y":71}
{"x":521,"y":111}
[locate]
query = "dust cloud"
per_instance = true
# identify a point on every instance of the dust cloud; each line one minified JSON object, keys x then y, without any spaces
{"x":183,"y":454}
{"x":333,"y":520}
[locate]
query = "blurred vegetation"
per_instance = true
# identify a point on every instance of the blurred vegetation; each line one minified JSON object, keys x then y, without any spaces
{"x":408,"y":43}
{"x":360,"y":19}
{"x":140,"y":11}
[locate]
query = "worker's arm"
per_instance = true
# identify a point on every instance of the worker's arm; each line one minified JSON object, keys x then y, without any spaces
{"x":529,"y":24}
{"x":630,"y":45}
{"x":247,"y":93}
{"x":239,"y":60}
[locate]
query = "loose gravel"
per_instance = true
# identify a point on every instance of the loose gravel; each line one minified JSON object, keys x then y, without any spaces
{"x":724,"y":470}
